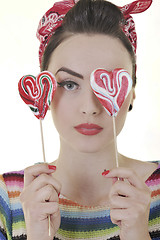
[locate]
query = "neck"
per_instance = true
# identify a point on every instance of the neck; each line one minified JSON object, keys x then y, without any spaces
{"x":80,"y":173}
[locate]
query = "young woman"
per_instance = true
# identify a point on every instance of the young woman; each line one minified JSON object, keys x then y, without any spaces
{"x":84,"y":201}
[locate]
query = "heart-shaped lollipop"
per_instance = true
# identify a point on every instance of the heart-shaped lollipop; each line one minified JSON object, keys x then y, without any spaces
{"x":111,"y":88}
{"x":37,"y":92}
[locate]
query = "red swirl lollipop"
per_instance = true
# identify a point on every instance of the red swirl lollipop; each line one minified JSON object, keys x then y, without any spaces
{"x":111,"y":88}
{"x":37,"y":92}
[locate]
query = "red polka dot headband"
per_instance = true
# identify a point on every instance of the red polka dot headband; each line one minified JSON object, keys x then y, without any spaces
{"x":53,"y":18}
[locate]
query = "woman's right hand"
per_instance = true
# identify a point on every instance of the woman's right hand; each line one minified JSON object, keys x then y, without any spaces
{"x":39,"y":199}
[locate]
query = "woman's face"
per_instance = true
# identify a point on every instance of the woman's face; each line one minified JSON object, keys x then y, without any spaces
{"x":74,"y":103}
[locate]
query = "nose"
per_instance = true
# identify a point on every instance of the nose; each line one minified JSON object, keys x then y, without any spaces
{"x":90,"y":104}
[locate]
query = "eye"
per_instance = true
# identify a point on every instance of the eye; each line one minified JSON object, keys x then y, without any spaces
{"x":68,"y":85}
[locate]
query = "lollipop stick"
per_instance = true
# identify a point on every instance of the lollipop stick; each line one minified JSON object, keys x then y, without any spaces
{"x":42,"y":139}
{"x":44,"y":159}
{"x":115,"y":141}
{"x":49,"y":224}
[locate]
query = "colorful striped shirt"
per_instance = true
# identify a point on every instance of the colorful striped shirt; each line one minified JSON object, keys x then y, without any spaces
{"x":77,"y":221}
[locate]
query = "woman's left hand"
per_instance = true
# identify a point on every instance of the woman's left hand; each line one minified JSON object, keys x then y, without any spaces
{"x":129,"y":204}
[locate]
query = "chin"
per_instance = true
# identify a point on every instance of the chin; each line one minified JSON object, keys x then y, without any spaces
{"x":88,"y":147}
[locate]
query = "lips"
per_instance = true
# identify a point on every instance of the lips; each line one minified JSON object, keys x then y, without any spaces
{"x":88,"y":129}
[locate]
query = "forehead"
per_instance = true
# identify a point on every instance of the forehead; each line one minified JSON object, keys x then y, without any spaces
{"x":84,"y":53}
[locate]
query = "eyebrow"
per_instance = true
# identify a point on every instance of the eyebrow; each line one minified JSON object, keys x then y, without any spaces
{"x":71,"y":72}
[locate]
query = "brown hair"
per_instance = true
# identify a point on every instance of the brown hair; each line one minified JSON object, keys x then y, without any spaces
{"x":91,"y":17}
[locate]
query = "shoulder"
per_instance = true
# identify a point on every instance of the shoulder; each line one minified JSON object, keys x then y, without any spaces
{"x":11,"y":186}
{"x":155,"y":176}
{"x":13,"y":176}
{"x":145,"y":169}
{"x":12,"y":182}
{"x":148,"y":169}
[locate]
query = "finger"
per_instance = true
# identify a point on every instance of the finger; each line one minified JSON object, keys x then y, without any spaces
{"x":43,"y":180}
{"x":119,"y":202}
{"x":47,"y":193}
{"x":32,"y":172}
{"x":120,"y":215}
{"x":124,"y":189}
{"x":116,"y":216}
{"x":129,"y":215}
{"x":48,"y":208}
{"x":129,"y":174}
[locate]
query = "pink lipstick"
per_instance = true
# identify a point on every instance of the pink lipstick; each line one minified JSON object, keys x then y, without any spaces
{"x":88,"y":129}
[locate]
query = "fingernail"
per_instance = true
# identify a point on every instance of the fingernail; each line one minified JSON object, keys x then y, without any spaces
{"x":58,"y":194}
{"x":105,"y":172}
{"x":51,"y":167}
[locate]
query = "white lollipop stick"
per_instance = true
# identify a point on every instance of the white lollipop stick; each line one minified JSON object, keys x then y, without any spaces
{"x":115,"y":142}
{"x":44,"y":159}
{"x":42,"y":140}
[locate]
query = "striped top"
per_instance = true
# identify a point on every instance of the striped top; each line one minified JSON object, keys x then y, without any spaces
{"x":77,"y":222}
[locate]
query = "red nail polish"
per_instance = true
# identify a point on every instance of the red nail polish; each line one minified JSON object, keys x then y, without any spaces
{"x":105,"y":172}
{"x":58,"y":194}
{"x":52,"y":167}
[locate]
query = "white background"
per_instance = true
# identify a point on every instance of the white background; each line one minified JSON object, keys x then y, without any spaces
{"x":20,"y":142}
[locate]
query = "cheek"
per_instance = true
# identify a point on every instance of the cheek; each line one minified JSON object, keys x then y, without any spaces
{"x":59,"y":118}
{"x":61,"y":109}
{"x":58,"y":111}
